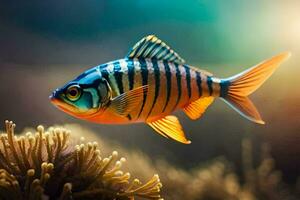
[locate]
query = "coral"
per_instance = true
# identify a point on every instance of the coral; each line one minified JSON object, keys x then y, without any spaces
{"x":46,"y":165}
{"x":217,"y":180}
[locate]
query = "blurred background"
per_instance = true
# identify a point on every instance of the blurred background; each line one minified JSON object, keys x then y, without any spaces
{"x":44,"y":44}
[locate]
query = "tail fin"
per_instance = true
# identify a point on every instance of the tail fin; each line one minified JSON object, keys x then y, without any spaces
{"x":234,"y":90}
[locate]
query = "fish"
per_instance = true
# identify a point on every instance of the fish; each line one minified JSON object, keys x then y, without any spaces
{"x":151,"y":82}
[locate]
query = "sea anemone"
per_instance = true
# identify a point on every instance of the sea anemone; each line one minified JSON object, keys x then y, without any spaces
{"x":46,"y":165}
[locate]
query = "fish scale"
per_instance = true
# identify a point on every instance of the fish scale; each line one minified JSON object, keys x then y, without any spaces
{"x":182,"y":74}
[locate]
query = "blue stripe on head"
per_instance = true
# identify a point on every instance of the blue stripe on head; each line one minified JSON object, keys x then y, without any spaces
{"x":86,"y":73}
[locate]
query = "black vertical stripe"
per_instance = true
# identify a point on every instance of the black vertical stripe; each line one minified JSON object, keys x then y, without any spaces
{"x":118,"y":76}
{"x":129,"y":117}
{"x":224,"y":84}
{"x":178,"y":78}
{"x":198,"y":79}
{"x":104,"y":72}
{"x":103,"y":66}
{"x":188,"y":80}
{"x":209,"y":84}
{"x":157,"y":83}
{"x":169,"y":85}
{"x":130,"y":67}
{"x":144,"y":72}
{"x":105,"y":75}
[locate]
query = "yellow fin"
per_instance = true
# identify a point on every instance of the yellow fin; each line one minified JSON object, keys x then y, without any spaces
{"x":245,"y":107}
{"x":169,"y":127}
{"x":152,"y":47}
{"x":246,"y":82}
{"x":128,"y":101}
{"x":195,"y":109}
{"x":238,"y":87}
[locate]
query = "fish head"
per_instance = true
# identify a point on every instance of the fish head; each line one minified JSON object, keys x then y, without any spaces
{"x":84,"y":97}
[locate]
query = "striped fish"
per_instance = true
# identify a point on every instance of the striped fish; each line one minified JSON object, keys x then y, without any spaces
{"x":153,"y":81}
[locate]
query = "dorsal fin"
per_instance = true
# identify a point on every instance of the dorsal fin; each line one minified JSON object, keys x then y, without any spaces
{"x":152,"y":47}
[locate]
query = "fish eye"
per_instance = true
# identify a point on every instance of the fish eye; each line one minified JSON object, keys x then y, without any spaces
{"x":73,"y":92}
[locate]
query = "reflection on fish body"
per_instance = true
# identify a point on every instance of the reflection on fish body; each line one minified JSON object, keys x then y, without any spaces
{"x":151,"y":82}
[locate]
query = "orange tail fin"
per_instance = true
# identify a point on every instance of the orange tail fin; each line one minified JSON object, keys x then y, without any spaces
{"x":234,"y":90}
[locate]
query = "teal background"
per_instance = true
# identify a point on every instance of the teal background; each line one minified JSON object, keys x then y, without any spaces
{"x":44,"y":44}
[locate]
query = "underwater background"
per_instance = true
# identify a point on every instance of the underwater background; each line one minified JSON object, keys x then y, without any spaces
{"x":43,"y":44}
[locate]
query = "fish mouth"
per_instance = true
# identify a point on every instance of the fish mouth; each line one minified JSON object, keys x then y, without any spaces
{"x":70,"y":109}
{"x":55,"y":100}
{"x":62,"y":106}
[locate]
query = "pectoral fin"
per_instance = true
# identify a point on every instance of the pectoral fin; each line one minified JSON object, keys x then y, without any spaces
{"x":195,"y":109}
{"x":169,"y":127}
{"x":128,"y":101}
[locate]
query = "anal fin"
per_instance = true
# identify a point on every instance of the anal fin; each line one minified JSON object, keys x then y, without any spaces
{"x":169,"y":127}
{"x":195,"y":109}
